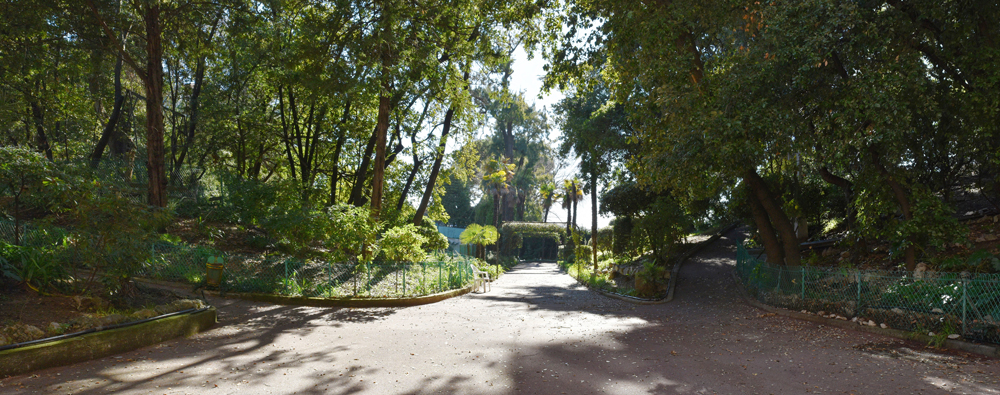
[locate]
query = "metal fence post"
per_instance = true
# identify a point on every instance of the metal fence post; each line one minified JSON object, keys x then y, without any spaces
{"x":964,"y":304}
{"x":857,"y":302}
{"x":803,"y":272}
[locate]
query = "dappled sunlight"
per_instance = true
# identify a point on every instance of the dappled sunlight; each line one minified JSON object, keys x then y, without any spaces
{"x":964,"y":387}
{"x":537,"y":332}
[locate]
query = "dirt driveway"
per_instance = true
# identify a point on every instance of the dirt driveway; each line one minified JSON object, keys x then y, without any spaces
{"x":536,"y":332}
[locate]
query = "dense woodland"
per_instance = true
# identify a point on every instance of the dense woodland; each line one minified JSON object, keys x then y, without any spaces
{"x":328,"y":124}
{"x":872,"y":120}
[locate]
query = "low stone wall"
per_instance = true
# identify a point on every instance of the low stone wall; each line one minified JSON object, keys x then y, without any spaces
{"x":103,"y":343}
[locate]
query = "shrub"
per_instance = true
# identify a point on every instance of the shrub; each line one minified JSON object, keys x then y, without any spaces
{"x":113,"y":234}
{"x":583,"y":254}
{"x":22,"y":170}
{"x":402,"y":244}
{"x":350,"y":231}
{"x":435,"y":240}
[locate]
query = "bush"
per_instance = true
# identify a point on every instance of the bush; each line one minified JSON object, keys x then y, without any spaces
{"x":113,"y":234}
{"x":350,"y":231}
{"x":22,"y":170}
{"x":435,"y":240}
{"x":35,"y":267}
{"x":253,"y":202}
{"x":565,"y":253}
{"x":402,"y":244}
{"x":583,"y":254}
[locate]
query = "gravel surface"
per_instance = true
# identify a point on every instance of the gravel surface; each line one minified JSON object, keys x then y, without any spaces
{"x":536,"y":332}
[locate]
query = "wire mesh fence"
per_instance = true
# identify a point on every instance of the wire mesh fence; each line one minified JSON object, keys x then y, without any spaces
{"x":282,"y":275}
{"x":944,"y":303}
{"x":28,"y":235}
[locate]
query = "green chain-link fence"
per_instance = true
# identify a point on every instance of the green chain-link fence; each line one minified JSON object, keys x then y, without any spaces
{"x":280,"y":275}
{"x":317,"y":278}
{"x":968,"y":305}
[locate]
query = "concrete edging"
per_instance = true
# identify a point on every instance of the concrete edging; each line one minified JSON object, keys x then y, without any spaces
{"x":103,"y":343}
{"x":327,"y":302}
{"x":351,"y":302}
{"x":957,"y":345}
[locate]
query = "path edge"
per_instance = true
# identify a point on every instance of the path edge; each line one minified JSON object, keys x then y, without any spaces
{"x":325,"y":302}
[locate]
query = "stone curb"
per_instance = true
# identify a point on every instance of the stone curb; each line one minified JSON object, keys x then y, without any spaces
{"x":326,"y":302}
{"x":103,"y":343}
{"x":957,"y":345}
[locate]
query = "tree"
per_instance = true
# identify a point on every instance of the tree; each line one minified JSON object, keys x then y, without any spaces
{"x":21,"y":170}
{"x":479,"y":235}
{"x":548,"y":194}
{"x":152,"y":77}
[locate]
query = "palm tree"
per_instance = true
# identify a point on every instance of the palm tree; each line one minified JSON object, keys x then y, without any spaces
{"x":548,"y":192}
{"x":567,"y":203}
{"x":497,"y":177}
{"x":479,"y":235}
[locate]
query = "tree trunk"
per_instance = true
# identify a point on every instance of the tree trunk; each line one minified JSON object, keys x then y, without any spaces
{"x":417,"y":163}
{"x":848,"y":188}
{"x":772,"y":247}
{"x":575,"y":202}
{"x":116,"y":112}
{"x":436,"y":168}
{"x":154,"y":109}
{"x":284,"y":127}
{"x":195,"y":108}
{"x":569,"y":217}
{"x":593,"y":220}
{"x":41,"y":140}
{"x":777,"y":216}
{"x":335,"y":173}
{"x":378,"y":174}
{"x":362,"y":173}
{"x":903,"y":198}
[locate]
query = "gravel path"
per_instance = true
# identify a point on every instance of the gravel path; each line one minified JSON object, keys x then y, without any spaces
{"x":536,"y":332}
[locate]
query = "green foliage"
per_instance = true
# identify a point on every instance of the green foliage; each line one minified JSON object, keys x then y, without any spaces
{"x":479,"y":234}
{"x":583,"y":254}
{"x":112,"y":233}
{"x":624,"y":243}
{"x":37,"y":266}
{"x":402,"y":244}
{"x":533,"y":229}
{"x":435,"y":241}
{"x":605,"y":239}
{"x":349,"y":231}
{"x":979,"y":261}
{"x":652,"y":273}
{"x":457,"y":201}
{"x":252,"y":202}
